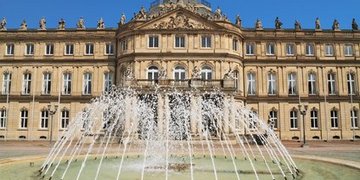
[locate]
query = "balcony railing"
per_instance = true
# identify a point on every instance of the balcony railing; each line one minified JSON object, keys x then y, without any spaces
{"x":189,"y":83}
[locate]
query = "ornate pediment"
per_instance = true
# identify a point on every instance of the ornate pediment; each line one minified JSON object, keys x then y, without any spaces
{"x":179,"y":20}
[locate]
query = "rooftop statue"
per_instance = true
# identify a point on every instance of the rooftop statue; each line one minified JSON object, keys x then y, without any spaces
{"x":218,"y":14}
{"x":278,"y":23}
{"x":317,"y":24}
{"x":336,"y":25}
{"x":3,"y":24}
{"x":354,"y":25}
{"x":42,"y":24}
{"x":81,"y":23}
{"x":123,"y":19}
{"x":141,"y":15}
{"x":238,"y":21}
{"x":297,"y":25}
{"x":101,"y":24}
{"x":61,"y":25}
{"x":258,"y":25}
{"x":23,"y":26}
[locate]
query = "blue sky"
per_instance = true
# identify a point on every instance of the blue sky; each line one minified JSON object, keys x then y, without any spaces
{"x":267,"y":10}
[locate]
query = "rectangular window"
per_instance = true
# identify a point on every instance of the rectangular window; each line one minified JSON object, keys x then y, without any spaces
{"x":251,"y":84}
{"x":29,"y":49}
{"x":293,"y":119}
{"x":3,"y":118}
{"x":348,"y":50}
{"x":206,"y":41}
{"x":89,"y":49}
{"x":69,"y":49}
{"x":10,"y":49}
{"x":290,"y":49}
{"x":26,"y":84}
{"x":331,"y":84}
{"x":46,"y":84}
{"x":329,"y":50}
{"x":235,"y":45}
{"x":334,"y":119}
{"x":273,"y":119}
{"x":109,"y":49}
{"x":354,"y":119}
{"x":49,"y":49}
{"x":44,"y":119}
{"x":24,"y":119}
{"x":271,"y":84}
{"x":107,"y":81}
{"x":153,"y":41}
{"x":65,"y":118}
{"x":87,"y":84}
{"x":314,"y":119}
{"x":309,"y":51}
{"x":351,"y":83}
{"x":66,"y":84}
{"x":124,"y":45}
{"x":252,"y":121}
{"x":292,"y":84}
{"x":180,"y":41}
{"x":312,"y":84}
{"x":270,"y":49}
{"x":250,"y":48}
{"x":6,"y":86}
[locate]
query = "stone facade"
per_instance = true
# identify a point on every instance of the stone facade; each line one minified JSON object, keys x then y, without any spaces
{"x":274,"y":70}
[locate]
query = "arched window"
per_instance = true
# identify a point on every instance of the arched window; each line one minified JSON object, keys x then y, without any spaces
{"x":273,"y":119}
{"x":312,"y":83}
{"x":293,"y":119}
{"x":206,"y":73}
{"x":272,"y":83}
{"x":66,"y":89}
{"x":6,"y":85}
{"x":179,"y":73}
{"x":87,"y":85}
{"x":351,"y":83}
{"x":314,"y":119}
{"x":153,"y":73}
{"x":251,"y":88}
{"x":26,"y":86}
{"x":334,"y":119}
{"x":292,"y":83}
{"x":331,"y":83}
{"x":3,"y":118}
{"x":354,"y":118}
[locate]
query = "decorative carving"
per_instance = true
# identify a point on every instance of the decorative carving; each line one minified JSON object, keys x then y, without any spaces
{"x":81,"y":23}
{"x":3,"y":24}
{"x":162,"y":73}
{"x":258,"y":25}
{"x":180,"y":21}
{"x":297,"y":25}
{"x":196,"y":74}
{"x":61,"y":25}
{"x":278,"y":23}
{"x":123,"y":19}
{"x":129,"y":75}
{"x":336,"y":25}
{"x":23,"y":26}
{"x":229,"y":74}
{"x":354,"y":25}
{"x":317,"y":24}
{"x":42,"y":24}
{"x":101,"y":24}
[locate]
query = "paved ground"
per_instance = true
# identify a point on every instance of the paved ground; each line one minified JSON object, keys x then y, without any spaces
{"x":338,"y":150}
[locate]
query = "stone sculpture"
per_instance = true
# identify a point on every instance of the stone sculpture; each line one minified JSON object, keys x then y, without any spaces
{"x":42,"y":24}
{"x":23,"y":26}
{"x":81,"y":23}
{"x":61,"y":25}
{"x":3,"y":24}
{"x":101,"y":24}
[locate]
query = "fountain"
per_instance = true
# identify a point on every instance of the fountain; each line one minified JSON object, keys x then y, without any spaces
{"x":167,"y":134}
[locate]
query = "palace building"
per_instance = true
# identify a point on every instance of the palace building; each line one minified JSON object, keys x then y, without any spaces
{"x":183,"y":44}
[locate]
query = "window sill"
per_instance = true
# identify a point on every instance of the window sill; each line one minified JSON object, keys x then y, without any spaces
{"x":25,"y":94}
{"x":270,"y":54}
{"x":249,"y":54}
{"x":290,"y":55}
{"x":22,"y":129}
{"x":109,"y":54}
{"x":48,"y":55}
{"x":335,"y":129}
{"x":42,"y":94}
{"x":68,"y":54}
{"x":2,"y":129}
{"x":294,"y":129}
{"x":29,"y":55}
{"x":153,"y":47}
{"x":9,"y":55}
{"x":88,"y":54}
{"x":309,"y":55}
{"x":43,"y":129}
{"x":315,"y":129}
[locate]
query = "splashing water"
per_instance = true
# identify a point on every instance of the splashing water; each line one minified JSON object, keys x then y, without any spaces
{"x":169,"y":132}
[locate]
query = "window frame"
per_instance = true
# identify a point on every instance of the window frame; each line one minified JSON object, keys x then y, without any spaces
{"x":87,"y":84}
{"x":314,"y":119}
{"x":251,"y":85}
{"x":179,"y":44}
{"x":10,"y":46}
{"x":3,"y":118}
{"x":89,"y":49}
{"x":24,"y":119}
{"x":29,"y":49}
{"x":26,"y":84}
{"x":108,"y":81}
{"x":179,"y":73}
{"x":153,"y":71}
{"x":312,"y":89}
{"x":271,"y":84}
{"x":292,"y":83}
{"x":46,"y":84}
{"x":309,"y":49}
{"x":6,"y":84}
{"x":206,"y":73}
{"x":206,"y":41}
{"x":235,"y":44}
{"x":292,"y":49}
{"x":334,"y":120}
{"x":270,"y":49}
{"x":153,"y":41}
{"x":109,"y":49}
{"x":69,"y":49}
{"x":67,"y":83}
{"x":44,"y":119}
{"x":250,"y":49}
{"x":329,"y":50}
{"x":331,"y":83}
{"x":354,"y":118}
{"x":65,"y":119}
{"x":294,"y":116}
{"x":273,"y":119}
{"x":49,"y":49}
{"x":351,"y":83}
{"x":347,"y":49}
